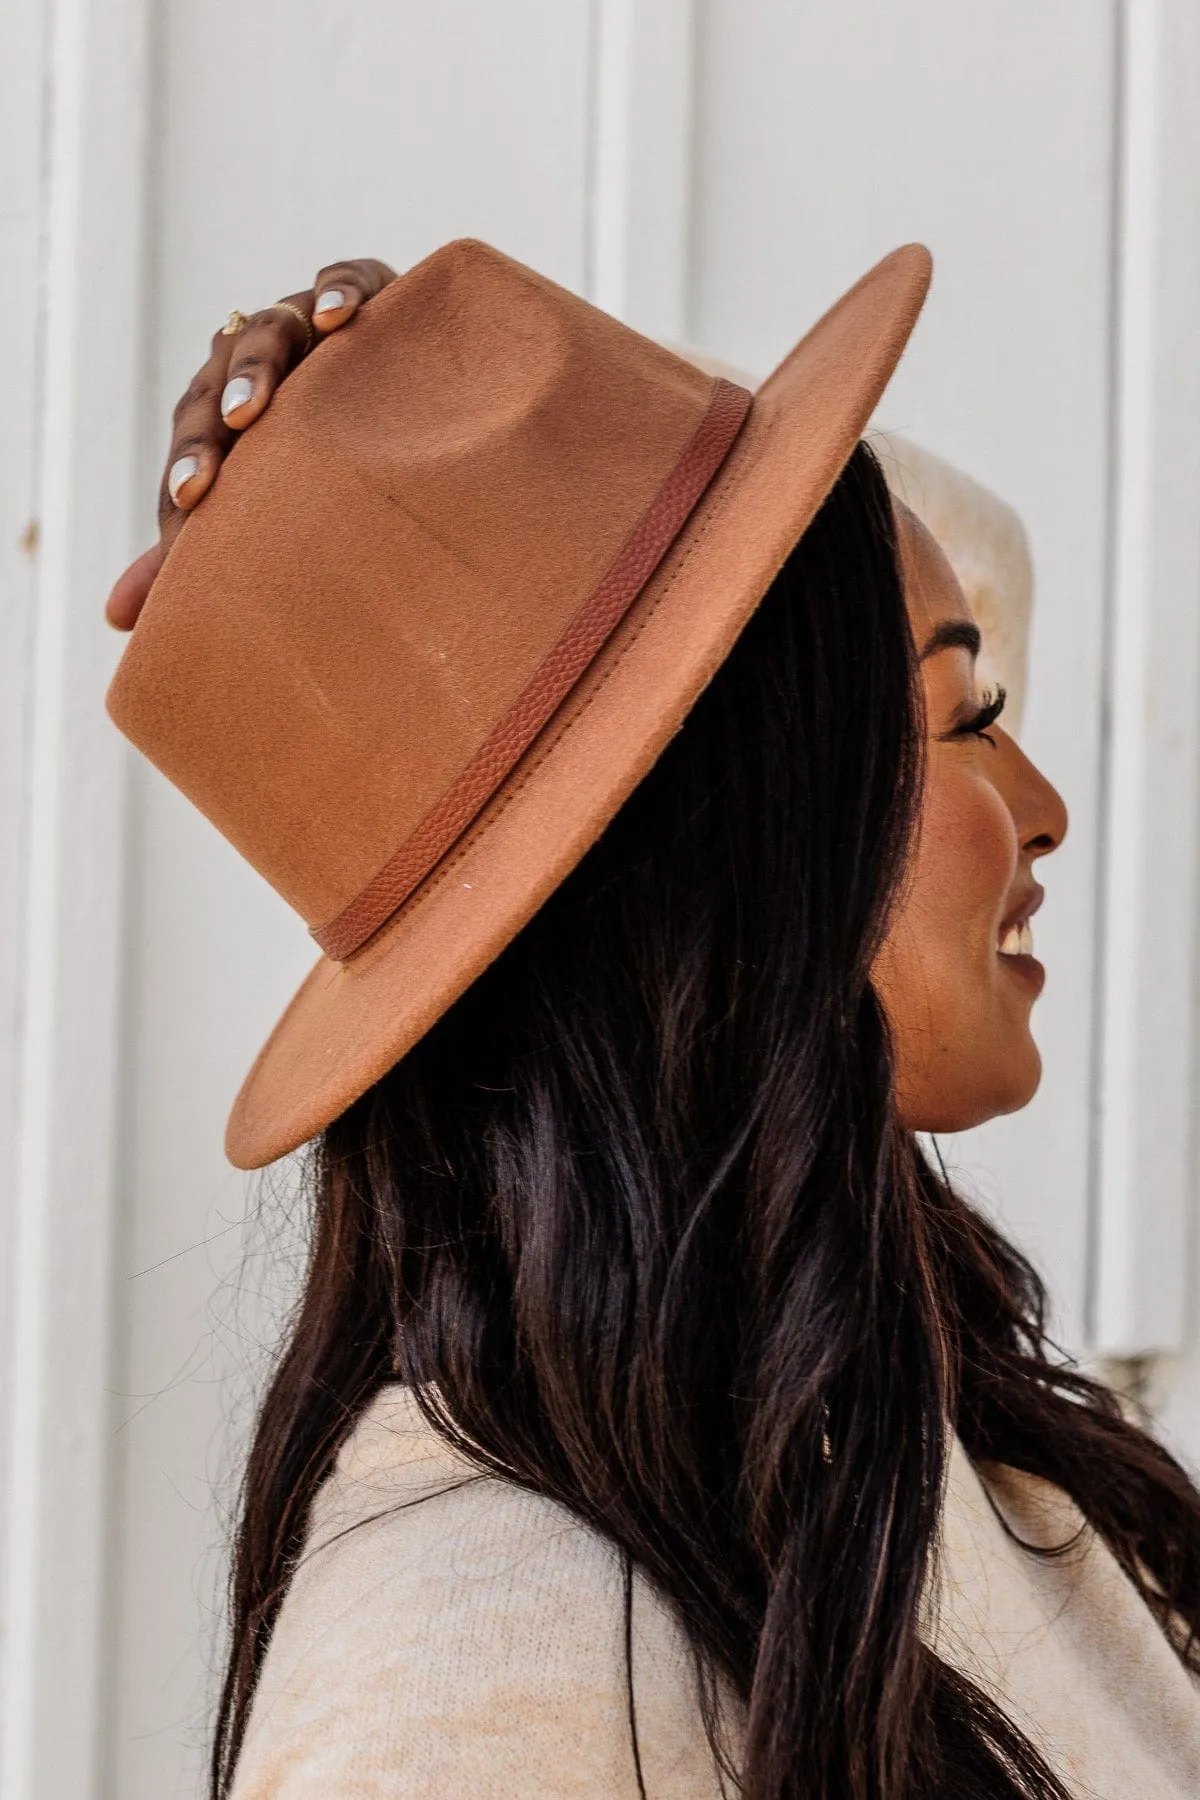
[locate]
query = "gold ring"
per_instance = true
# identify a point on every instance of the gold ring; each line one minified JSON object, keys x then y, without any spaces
{"x":237,"y":321}
{"x":310,"y":334}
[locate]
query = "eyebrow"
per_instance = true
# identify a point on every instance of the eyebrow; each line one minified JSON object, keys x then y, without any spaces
{"x":953,"y":634}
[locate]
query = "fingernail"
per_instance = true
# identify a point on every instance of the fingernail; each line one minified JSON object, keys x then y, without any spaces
{"x":180,"y":473}
{"x":236,"y":394}
{"x":332,"y":300}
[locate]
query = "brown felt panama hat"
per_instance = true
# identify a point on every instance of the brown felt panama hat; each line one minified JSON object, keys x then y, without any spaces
{"x":444,"y":607}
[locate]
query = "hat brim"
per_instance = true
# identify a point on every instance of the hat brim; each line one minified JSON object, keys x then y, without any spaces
{"x":351,"y":1022}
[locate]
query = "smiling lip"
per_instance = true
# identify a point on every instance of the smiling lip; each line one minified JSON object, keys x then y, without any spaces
{"x":1014,"y":940}
{"x":1027,"y":969}
{"x":1022,"y":912}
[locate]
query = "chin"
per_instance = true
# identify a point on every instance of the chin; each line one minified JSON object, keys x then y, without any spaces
{"x":1029,"y":1085}
{"x":972,"y":1094}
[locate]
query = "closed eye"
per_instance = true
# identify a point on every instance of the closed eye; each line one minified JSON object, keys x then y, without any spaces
{"x":979,"y":722}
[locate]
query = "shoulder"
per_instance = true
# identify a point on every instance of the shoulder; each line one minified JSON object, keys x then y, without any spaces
{"x":447,"y":1633}
{"x":1033,"y":1606}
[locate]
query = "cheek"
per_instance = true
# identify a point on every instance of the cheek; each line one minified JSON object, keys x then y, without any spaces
{"x":964,"y":863}
{"x":960,"y":1025}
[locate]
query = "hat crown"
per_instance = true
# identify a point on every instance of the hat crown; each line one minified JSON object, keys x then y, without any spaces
{"x":389,"y":557}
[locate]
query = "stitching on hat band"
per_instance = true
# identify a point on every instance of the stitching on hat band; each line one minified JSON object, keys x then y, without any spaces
{"x":592,"y":624}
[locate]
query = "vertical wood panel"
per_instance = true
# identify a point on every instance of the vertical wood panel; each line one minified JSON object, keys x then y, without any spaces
{"x":1146,"y":1166}
{"x":640,"y":177}
{"x":56,"y":1454}
{"x":21,"y":127}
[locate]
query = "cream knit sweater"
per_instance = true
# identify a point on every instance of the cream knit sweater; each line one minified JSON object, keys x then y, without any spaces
{"x":450,"y":1637}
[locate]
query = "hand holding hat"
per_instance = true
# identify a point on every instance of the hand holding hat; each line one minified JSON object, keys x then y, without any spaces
{"x":248,"y":359}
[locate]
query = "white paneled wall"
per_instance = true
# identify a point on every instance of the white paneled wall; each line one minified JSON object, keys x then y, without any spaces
{"x":74,"y":218}
{"x":1145,"y":1152}
{"x":711,"y":169}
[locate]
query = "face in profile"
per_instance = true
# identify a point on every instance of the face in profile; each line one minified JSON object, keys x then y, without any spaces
{"x":957,"y":974}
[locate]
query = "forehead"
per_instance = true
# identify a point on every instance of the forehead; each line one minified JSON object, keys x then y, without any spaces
{"x":931,"y":589}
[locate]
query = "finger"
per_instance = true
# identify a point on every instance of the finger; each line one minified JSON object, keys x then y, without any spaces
{"x":273,"y":342}
{"x":190,"y":475}
{"x":199,"y":437}
{"x":341,"y":288}
{"x":130,"y":589}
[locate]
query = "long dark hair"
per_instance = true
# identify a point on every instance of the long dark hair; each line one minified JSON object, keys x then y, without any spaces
{"x":638,"y":1222}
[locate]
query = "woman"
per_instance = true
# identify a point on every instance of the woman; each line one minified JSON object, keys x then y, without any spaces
{"x":655,"y":1419}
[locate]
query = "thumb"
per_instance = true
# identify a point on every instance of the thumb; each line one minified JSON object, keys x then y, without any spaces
{"x":130,"y":589}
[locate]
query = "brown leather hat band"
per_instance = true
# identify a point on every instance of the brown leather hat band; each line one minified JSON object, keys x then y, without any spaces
{"x":554,"y":678}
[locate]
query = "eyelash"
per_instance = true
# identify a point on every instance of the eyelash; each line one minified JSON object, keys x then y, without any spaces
{"x":989,"y":712}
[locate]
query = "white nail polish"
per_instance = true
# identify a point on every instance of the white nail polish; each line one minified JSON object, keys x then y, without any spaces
{"x":236,"y":394}
{"x":332,"y":300}
{"x":180,"y":473}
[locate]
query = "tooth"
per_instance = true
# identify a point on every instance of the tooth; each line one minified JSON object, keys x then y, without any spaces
{"x":1010,"y":943}
{"x":1027,"y":939}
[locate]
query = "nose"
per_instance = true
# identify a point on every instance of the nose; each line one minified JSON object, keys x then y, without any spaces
{"x":1038,"y":810}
